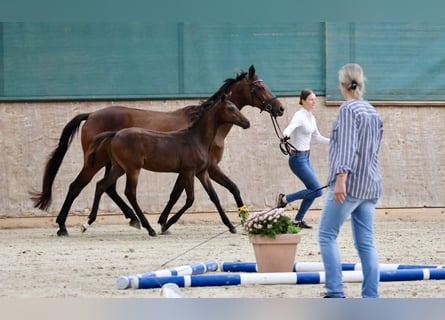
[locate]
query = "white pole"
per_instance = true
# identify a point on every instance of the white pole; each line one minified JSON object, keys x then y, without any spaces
{"x":229,"y":279}
{"x":124,"y":282}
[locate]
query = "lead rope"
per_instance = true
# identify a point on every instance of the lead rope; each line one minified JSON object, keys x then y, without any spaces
{"x":285,"y":146}
{"x":196,"y":246}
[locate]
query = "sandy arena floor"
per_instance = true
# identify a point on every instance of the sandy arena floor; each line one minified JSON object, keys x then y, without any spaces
{"x":36,"y":263}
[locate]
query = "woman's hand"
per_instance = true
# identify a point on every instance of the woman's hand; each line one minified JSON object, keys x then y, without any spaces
{"x":340,"y":188}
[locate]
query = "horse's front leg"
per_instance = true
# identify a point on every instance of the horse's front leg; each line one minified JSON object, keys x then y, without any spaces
{"x":219,"y":177}
{"x":206,"y":183}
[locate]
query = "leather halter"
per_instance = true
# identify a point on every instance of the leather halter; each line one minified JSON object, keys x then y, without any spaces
{"x":265,"y":104}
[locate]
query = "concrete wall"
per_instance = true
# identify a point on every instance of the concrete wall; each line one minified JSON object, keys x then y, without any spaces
{"x":412,"y":158}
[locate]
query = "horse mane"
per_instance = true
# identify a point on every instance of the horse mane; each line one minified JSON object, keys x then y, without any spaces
{"x":196,"y":112}
{"x":228,"y":83}
{"x":199,"y":111}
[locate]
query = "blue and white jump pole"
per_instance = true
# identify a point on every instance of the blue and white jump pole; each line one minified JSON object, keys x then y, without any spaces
{"x":231,"y":279}
{"x":125,"y":282}
{"x":318,"y":266}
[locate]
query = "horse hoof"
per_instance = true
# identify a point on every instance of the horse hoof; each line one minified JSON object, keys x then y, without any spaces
{"x":232,"y":230}
{"x":135,"y":224}
{"x":62,"y":233}
{"x":152,"y":233}
{"x":84,"y":227}
{"x":165,"y":232}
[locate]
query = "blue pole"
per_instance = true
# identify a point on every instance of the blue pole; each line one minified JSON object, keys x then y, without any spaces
{"x":230,"y":279}
{"x":125,"y":282}
{"x":318,"y":266}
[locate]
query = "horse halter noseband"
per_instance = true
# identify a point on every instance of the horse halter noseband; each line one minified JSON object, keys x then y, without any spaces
{"x":266,"y":104}
{"x":286,"y":147}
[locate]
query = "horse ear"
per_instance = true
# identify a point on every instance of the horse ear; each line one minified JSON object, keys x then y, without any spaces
{"x":251,"y":71}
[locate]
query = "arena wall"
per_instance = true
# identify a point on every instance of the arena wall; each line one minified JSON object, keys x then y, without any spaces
{"x":412,"y":158}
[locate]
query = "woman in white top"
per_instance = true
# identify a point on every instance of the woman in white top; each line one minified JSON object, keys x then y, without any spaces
{"x":299,"y":132}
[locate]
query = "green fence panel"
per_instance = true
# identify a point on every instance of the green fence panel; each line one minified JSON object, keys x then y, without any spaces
{"x":154,"y":60}
{"x":70,"y":60}
{"x":402,"y":61}
{"x":289,"y":57}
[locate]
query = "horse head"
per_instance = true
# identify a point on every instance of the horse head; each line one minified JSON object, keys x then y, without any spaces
{"x":262,"y":94}
{"x":231,"y":114}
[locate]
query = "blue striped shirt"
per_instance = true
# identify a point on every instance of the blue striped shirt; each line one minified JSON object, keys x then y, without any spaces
{"x":354,"y":148}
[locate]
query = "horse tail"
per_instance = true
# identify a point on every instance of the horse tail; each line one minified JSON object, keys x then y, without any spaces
{"x":97,"y":143}
{"x":42,"y":200}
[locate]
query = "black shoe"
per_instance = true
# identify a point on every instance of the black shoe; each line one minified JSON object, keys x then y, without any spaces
{"x":328,"y":296}
{"x":280,"y":202}
{"x":302,"y":225}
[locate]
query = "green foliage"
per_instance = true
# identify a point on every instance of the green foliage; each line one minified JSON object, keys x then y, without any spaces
{"x":270,"y":223}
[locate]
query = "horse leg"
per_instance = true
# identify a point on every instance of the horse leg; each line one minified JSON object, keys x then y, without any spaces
{"x":110,"y":178}
{"x":219,"y":177}
{"x":130,"y":193}
{"x":206,"y":183}
{"x":188,"y":184}
{"x":128,"y":212}
{"x":174,"y":196}
{"x":82,"y":179}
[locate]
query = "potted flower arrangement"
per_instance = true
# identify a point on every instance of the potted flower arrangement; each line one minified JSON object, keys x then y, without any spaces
{"x":274,"y":237}
{"x":269,"y":223}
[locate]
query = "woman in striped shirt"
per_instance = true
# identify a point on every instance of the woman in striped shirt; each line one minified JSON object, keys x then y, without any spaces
{"x":355,"y":184}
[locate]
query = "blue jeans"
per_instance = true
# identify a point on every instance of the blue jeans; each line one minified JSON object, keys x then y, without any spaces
{"x":301,"y":166}
{"x":332,"y":218}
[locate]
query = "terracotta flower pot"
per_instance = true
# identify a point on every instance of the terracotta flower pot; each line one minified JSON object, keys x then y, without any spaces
{"x":275,"y":254}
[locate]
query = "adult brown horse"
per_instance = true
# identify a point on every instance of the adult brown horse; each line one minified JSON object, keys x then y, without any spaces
{"x":246,"y":89}
{"x":185,"y":152}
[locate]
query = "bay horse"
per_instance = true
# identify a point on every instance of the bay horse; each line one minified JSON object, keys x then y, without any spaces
{"x":246,"y":89}
{"x":185,"y":152}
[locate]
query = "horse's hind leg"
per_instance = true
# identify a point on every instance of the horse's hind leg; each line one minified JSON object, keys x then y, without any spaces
{"x":174,"y":196}
{"x":188,"y":185}
{"x":82,"y":179}
{"x":102,"y":185}
{"x":128,"y":212}
{"x":205,"y":181}
{"x":130,"y":192}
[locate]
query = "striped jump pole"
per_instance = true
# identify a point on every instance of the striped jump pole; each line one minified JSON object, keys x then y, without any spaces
{"x":125,"y":282}
{"x":232,"y":279}
{"x":318,"y":266}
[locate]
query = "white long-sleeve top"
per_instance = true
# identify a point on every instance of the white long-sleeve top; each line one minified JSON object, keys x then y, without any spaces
{"x":302,"y":128}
